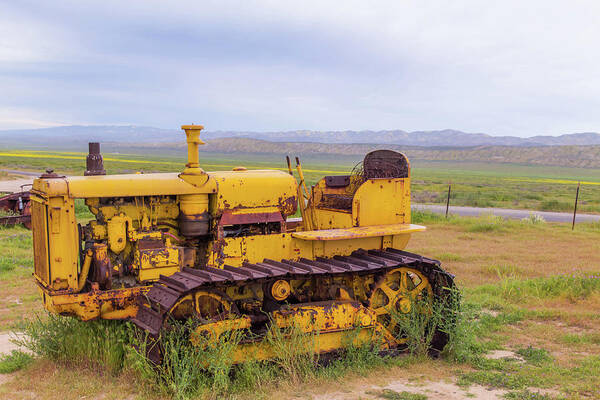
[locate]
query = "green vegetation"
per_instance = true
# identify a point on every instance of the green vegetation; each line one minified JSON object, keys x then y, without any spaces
{"x":103,"y":344}
{"x":581,"y":338}
{"x":534,"y":356}
{"x":14,"y":361}
{"x":16,"y":257}
{"x":512,"y":290}
{"x":508,"y":186}
{"x":527,"y":394}
{"x":389,"y":394}
{"x":189,"y":371}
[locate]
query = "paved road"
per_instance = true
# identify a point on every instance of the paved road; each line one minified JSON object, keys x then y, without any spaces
{"x":506,"y":213}
{"x":23,"y":173}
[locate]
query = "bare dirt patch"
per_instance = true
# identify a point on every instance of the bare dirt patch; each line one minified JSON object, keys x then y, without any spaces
{"x":6,"y":346}
{"x":433,"y":390}
{"x":504,"y":354}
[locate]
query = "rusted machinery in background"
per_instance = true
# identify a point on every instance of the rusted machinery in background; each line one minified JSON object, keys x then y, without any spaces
{"x":17,"y":204}
{"x":220,"y":248}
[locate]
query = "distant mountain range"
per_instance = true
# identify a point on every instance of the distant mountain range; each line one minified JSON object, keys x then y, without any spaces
{"x":74,"y":136}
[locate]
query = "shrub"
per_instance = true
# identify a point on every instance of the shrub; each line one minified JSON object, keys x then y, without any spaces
{"x":66,"y":339}
{"x":534,"y":219}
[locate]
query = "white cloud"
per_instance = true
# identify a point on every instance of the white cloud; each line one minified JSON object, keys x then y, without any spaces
{"x":14,"y":118}
{"x":509,"y":67}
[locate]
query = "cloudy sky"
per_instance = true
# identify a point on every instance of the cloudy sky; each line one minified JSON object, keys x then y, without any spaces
{"x":504,"y":68}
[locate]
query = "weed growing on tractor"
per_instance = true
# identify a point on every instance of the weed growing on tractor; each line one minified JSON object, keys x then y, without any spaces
{"x":187,"y":370}
{"x":464,"y":334}
{"x":294,"y":351}
{"x":358,"y":357}
{"x":418,"y":326}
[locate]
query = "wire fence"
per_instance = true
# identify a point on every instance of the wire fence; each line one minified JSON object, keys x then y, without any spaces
{"x":566,"y":198}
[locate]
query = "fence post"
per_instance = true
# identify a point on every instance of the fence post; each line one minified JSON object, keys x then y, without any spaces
{"x":448,"y":199}
{"x":575,"y":208}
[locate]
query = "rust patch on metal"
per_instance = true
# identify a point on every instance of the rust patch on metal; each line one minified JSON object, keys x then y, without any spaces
{"x":336,"y":201}
{"x":145,"y":244}
{"x":230,"y":218}
{"x":102,"y":266}
{"x":288,"y":205}
{"x":218,"y":248}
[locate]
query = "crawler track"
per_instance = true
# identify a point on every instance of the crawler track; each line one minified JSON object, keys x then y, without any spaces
{"x":164,"y":294}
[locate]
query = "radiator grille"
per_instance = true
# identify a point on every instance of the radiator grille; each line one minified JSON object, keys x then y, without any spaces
{"x":39,"y":225}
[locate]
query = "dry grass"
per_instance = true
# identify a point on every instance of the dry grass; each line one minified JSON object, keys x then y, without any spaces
{"x":531,"y":251}
{"x":47,"y":380}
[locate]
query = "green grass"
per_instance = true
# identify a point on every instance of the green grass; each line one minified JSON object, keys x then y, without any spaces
{"x":16,"y":256}
{"x":514,"y":291}
{"x":534,"y":356}
{"x":581,"y":338}
{"x":526,"y":394}
{"x":101,"y":343}
{"x":14,"y":361}
{"x":389,"y":394}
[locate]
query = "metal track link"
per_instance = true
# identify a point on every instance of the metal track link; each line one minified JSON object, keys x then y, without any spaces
{"x":165,"y":293}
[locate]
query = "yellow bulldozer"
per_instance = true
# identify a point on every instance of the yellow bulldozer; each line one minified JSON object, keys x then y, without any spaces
{"x":223,"y":248}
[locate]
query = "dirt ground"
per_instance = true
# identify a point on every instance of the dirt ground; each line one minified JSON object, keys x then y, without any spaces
{"x":10,"y":186}
{"x":6,"y":346}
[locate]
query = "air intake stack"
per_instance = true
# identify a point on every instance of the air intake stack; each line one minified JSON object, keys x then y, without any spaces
{"x":193,"y":174}
{"x":194,"y":217}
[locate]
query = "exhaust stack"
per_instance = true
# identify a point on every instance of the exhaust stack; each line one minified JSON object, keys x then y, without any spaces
{"x":94,"y":163}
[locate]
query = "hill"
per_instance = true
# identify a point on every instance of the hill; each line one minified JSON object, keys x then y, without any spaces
{"x":74,"y":136}
{"x":566,"y":156}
